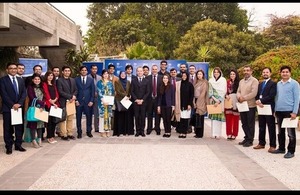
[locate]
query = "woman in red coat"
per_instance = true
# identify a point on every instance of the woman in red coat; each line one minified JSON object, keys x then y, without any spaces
{"x":51,"y":99}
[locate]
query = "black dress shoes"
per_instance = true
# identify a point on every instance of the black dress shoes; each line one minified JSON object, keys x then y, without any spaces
{"x":137,"y":134}
{"x":148,"y":132}
{"x":20,"y":148}
{"x":142,"y":134}
{"x":9,"y":151}
{"x":89,"y":135}
{"x":71,"y":137}
{"x":157,"y":133}
{"x":79,"y":136}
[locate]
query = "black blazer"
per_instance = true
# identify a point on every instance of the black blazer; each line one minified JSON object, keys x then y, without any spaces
{"x":140,"y":90}
{"x":8,"y":94}
{"x":269,"y":93}
{"x":66,"y":91}
{"x":170,"y":97}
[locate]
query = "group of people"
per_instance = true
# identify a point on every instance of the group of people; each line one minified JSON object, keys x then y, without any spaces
{"x":159,"y":95}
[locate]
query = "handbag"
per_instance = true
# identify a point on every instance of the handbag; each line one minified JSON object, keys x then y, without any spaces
{"x":120,"y":106}
{"x":174,"y":122}
{"x":30,"y":112}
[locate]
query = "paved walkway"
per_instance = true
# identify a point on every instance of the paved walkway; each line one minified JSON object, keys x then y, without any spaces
{"x":148,"y":163}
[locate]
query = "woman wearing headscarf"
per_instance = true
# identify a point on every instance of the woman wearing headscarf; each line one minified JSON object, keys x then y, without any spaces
{"x":184,"y":96}
{"x":122,"y":89}
{"x":217,"y":92}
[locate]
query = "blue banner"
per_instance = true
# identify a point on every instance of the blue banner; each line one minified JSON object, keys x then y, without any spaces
{"x":201,"y":65}
{"x":120,"y":64}
{"x":29,"y":63}
{"x":99,"y":65}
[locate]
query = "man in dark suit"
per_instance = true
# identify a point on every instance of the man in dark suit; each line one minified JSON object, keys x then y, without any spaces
{"x":67,"y":90}
{"x":155,"y":82}
{"x":93,"y":74}
{"x":36,"y":69}
{"x":140,"y":91}
{"x":13,"y":93}
{"x":84,"y":101}
{"x":266,"y":95}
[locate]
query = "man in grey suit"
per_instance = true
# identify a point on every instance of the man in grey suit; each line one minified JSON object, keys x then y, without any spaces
{"x":67,"y":90}
{"x":96,"y":78}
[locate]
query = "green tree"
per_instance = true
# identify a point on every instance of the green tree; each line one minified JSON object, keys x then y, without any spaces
{"x":275,"y":58}
{"x":140,"y":50}
{"x":114,"y":26}
{"x":74,"y":59}
{"x":229,"y":48}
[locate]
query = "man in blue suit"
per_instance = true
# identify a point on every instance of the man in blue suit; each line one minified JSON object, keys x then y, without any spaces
{"x":84,"y":101}
{"x":13,"y":93}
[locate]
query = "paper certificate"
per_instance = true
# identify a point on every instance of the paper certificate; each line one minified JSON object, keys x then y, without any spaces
{"x":242,"y":107}
{"x":41,"y":115}
{"x":126,"y":102}
{"x":16,"y":116}
{"x":266,"y":110}
{"x":228,"y":103}
{"x":212,"y":109}
{"x":109,"y":99}
{"x":56,"y":112}
{"x":288,"y":123}
{"x":185,"y":114}
{"x":70,"y":108}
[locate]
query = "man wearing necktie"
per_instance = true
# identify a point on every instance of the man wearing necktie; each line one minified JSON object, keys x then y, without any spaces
{"x":13,"y":93}
{"x":266,"y":95}
{"x":155,"y":82}
{"x":84,"y":101}
{"x":93,"y":74}
{"x":140,"y":91}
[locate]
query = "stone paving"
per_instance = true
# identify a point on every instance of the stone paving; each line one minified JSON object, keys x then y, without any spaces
{"x":148,"y":163}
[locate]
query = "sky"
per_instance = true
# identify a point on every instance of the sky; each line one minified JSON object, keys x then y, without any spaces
{"x":78,"y":11}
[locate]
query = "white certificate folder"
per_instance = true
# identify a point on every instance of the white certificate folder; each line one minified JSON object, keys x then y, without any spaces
{"x":16,"y":116}
{"x":265,"y":110}
{"x":126,"y":102}
{"x":56,"y":112}
{"x":288,"y":123}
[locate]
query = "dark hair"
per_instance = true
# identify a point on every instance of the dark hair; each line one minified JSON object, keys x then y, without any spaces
{"x":34,"y":85}
{"x":236,"y":80}
{"x":49,"y":72}
{"x":187,"y":75}
{"x":37,"y":66}
{"x":104,"y":71}
{"x":54,"y":68}
{"x":128,"y":66}
{"x":93,"y":65}
{"x":10,"y":63}
{"x":172,"y":69}
{"x":164,"y":61}
{"x":285,"y":67}
{"x":200,"y":70}
{"x":65,"y":67}
{"x":164,"y":88}
{"x":111,"y":65}
{"x":192,"y":65}
{"x":83,"y":66}
{"x":145,"y":66}
{"x":268,"y":69}
{"x":20,"y":64}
